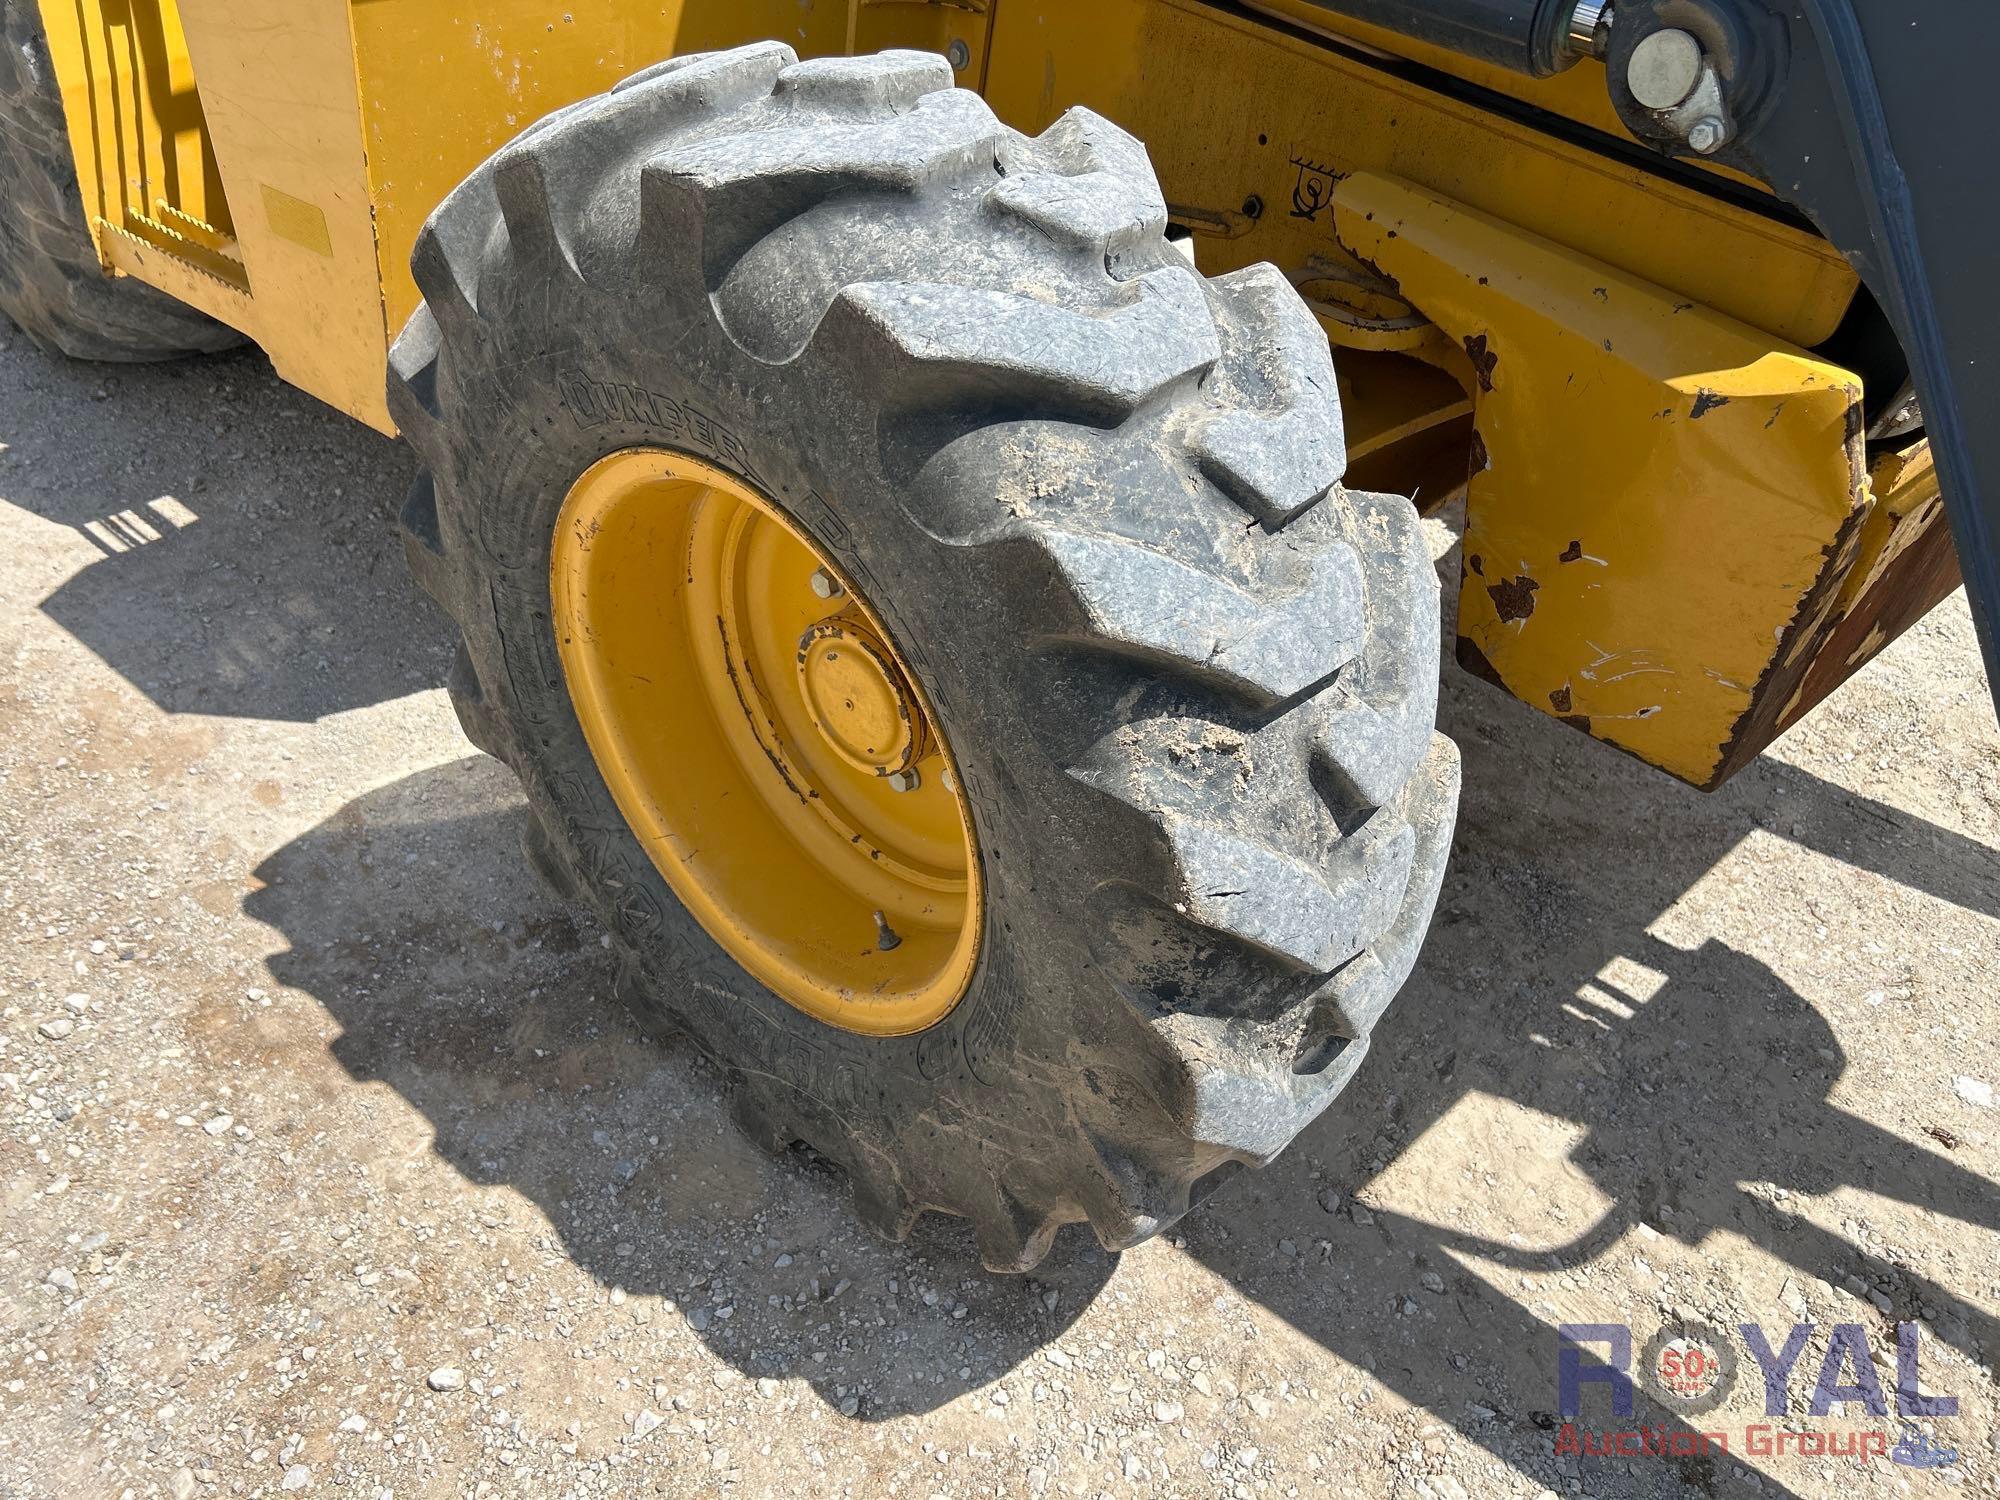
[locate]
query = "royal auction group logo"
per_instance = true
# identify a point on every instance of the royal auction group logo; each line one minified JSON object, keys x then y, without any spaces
{"x":1690,"y":1366}
{"x":1689,"y":1370}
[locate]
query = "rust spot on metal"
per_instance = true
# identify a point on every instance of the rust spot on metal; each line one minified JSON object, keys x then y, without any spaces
{"x":1922,"y":572}
{"x":1706,"y":401}
{"x":1514,"y":597}
{"x":1573,"y":552}
{"x":1483,"y":359}
{"x":1481,"y":460}
{"x":1477,"y":564}
{"x":1602,"y":294}
{"x":1578,"y":721}
{"x":1560,"y":700}
{"x":1784,"y":679}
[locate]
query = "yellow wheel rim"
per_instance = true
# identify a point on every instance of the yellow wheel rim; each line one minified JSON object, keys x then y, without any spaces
{"x":766,"y":742}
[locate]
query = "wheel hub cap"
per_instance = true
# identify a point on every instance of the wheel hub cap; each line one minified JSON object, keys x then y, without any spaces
{"x":858,"y":698}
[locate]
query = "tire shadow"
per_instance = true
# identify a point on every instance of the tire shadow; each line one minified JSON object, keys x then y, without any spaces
{"x":464,"y":987}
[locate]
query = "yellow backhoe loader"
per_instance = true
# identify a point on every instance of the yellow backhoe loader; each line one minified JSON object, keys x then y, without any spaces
{"x":930,"y":492}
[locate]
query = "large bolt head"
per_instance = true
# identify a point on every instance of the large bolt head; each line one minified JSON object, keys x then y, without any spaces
{"x":1664,"y":69}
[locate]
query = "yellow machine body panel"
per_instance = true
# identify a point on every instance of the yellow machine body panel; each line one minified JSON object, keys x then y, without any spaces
{"x":1577,"y":93}
{"x":1692,"y":483}
{"x":1619,"y":357}
{"x":1250,"y":129}
{"x":273,"y":171}
{"x":127,"y":75}
{"x":487,"y":72}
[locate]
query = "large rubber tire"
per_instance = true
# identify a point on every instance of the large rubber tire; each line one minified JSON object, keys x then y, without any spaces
{"x":51,"y":285}
{"x":1190,"y":682}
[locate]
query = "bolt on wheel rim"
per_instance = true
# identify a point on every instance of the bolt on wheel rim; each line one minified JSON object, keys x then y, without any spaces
{"x":766,"y":742}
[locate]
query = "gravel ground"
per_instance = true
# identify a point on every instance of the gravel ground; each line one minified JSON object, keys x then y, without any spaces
{"x":329,"y":1167}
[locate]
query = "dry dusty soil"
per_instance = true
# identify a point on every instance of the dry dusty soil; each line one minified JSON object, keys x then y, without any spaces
{"x":330,"y":1169}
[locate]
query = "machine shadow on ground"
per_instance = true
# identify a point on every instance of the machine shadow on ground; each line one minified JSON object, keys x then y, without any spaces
{"x":458,"y":983}
{"x":1708,"y":1079}
{"x":1718,"y":1078}
{"x":243,"y":569}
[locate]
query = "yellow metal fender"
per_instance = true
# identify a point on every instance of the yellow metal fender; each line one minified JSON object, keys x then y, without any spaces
{"x":1664,"y":501}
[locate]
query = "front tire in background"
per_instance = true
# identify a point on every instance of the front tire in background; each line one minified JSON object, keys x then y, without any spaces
{"x":51,"y":285}
{"x":1187,"y":681}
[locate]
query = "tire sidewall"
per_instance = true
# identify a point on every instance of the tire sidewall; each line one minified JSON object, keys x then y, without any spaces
{"x":549,"y":419}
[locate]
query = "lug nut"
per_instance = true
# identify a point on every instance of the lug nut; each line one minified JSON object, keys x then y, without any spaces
{"x":826,"y":585}
{"x":904,"y":781}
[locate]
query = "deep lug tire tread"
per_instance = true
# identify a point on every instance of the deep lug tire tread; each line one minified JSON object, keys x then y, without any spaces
{"x":1235,"y":658}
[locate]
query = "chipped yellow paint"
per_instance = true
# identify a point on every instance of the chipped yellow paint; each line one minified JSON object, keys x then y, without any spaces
{"x":1908,"y":500}
{"x":1904,"y":563}
{"x":1667,"y":498}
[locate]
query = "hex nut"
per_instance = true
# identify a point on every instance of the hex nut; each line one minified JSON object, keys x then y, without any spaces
{"x":1705,"y":134}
